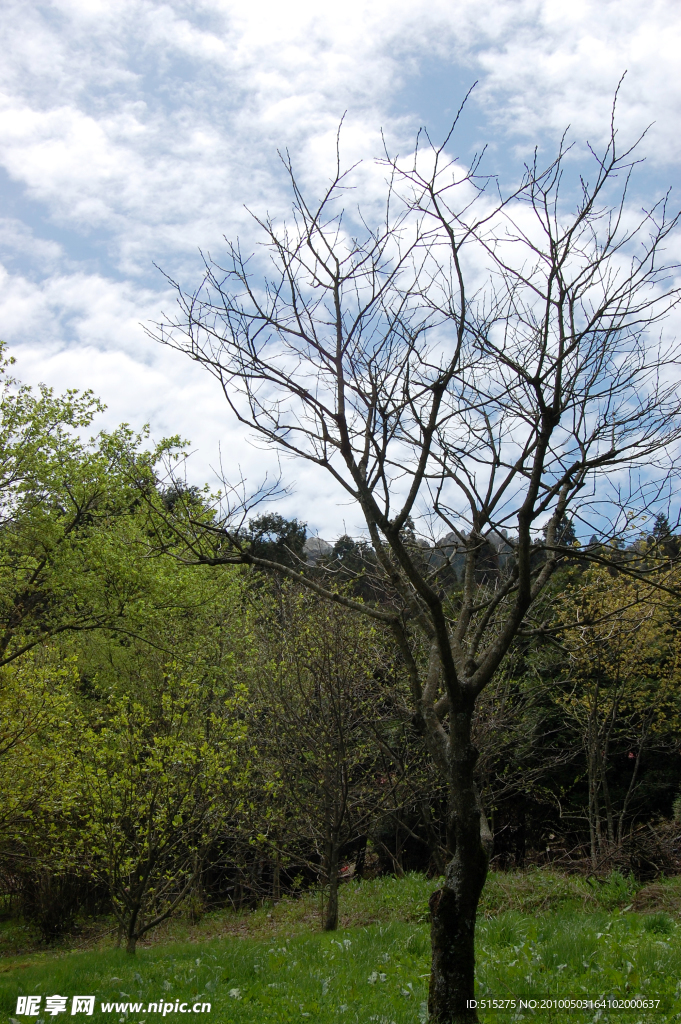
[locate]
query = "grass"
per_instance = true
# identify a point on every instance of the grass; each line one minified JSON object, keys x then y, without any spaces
{"x":539,"y":934}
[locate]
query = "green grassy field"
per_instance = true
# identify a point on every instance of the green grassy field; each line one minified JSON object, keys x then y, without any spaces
{"x":539,"y":935}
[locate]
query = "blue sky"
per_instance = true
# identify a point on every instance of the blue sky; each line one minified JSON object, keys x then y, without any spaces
{"x":134,"y":131}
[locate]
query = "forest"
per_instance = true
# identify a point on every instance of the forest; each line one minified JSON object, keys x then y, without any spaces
{"x":180,"y":734}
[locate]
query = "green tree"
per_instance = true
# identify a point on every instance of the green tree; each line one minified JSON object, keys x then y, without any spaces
{"x":67,"y":562}
{"x":619,"y":689}
{"x":38,"y":807}
{"x":159,"y":781}
{"x":36,"y":709}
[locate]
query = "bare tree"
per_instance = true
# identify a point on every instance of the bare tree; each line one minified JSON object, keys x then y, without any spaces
{"x":484,"y":362}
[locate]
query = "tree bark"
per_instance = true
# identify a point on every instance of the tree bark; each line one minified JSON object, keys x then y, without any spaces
{"x":594,"y":830}
{"x":276,"y":878}
{"x":331,"y":919}
{"x":453,"y":908}
{"x":135,"y":924}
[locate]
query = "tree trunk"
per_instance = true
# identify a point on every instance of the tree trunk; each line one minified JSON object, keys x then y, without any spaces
{"x":594,"y":829}
{"x":135,"y":924}
{"x":360,"y":858}
{"x":605,"y":758}
{"x":276,"y":878}
{"x":632,"y":782}
{"x":453,"y":908}
{"x":434,"y":845}
{"x":607,"y":803}
{"x":331,"y":919}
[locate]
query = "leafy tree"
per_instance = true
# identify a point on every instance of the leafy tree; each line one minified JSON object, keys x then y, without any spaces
{"x":661,"y":528}
{"x":65,"y":508}
{"x":663,"y":544}
{"x":158,"y":782}
{"x":620,"y":690}
{"x":353,"y":564}
{"x":189,"y":635}
{"x":274,"y":537}
{"x":76,"y":569}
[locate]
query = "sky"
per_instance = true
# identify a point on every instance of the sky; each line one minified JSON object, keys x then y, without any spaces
{"x":134,"y":133}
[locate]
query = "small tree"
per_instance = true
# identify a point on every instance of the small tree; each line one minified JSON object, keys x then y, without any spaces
{"x":312,"y":722}
{"x":621,"y":692}
{"x":484,"y":362}
{"x":159,"y":781}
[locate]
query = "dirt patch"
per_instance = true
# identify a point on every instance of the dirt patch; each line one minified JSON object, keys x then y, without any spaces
{"x":14,"y":967}
{"x":658,"y":896}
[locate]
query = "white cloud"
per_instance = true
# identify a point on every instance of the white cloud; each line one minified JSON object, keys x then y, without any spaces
{"x":18,"y":239}
{"x":564,"y":61}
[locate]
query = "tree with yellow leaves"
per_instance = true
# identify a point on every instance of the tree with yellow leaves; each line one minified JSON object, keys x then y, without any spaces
{"x":621,"y":689}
